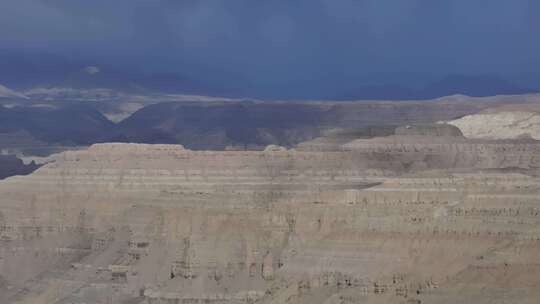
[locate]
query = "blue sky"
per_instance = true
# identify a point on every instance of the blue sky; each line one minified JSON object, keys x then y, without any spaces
{"x":296,"y":45}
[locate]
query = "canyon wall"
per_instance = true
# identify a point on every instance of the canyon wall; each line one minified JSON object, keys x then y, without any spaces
{"x":373,"y":221}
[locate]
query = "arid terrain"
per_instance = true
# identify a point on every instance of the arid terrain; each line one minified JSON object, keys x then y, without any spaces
{"x":422,"y":212}
{"x":269,"y":152}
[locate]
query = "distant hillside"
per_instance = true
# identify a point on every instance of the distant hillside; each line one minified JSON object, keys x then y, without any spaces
{"x":6,"y":92}
{"x":11,"y":165}
{"x":221,"y":125}
{"x":218,"y":126}
{"x":30,"y":70}
{"x":71,"y":124}
{"x":247,"y":124}
{"x":474,"y":86}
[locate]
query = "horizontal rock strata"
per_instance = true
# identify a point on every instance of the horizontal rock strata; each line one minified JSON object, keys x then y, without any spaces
{"x":129,"y":223}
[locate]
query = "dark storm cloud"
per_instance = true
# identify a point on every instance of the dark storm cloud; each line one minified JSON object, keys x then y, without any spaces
{"x":296,"y":45}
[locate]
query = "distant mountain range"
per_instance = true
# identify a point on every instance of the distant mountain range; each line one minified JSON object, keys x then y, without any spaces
{"x":218,"y":125}
{"x":474,"y":86}
{"x":6,"y":92}
{"x":22,"y":72}
{"x":77,"y":124}
{"x":101,"y":82}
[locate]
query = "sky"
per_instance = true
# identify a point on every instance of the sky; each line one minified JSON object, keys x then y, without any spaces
{"x":295,"y":46}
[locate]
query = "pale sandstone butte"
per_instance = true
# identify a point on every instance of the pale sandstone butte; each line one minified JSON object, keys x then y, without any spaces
{"x":502,"y":122}
{"x":129,"y":223}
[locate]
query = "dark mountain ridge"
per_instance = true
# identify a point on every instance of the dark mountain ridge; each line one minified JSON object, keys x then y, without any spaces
{"x":28,"y":70}
{"x":253,"y":125}
{"x":10,"y":165}
{"x":474,"y":86}
{"x":73,"y":124}
{"x":221,"y":125}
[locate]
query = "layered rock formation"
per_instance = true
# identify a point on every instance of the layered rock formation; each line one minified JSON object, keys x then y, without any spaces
{"x":128,"y":223}
{"x":501,"y":123}
{"x":433,"y":130}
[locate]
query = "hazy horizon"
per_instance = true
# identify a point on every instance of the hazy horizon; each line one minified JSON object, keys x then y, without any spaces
{"x":293,"y":49}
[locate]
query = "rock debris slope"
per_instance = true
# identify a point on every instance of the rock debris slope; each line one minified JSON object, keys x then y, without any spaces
{"x":375,"y":221}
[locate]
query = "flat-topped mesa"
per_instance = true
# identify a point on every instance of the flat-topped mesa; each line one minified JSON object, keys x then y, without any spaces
{"x":443,"y":130}
{"x":165,"y":150}
{"x":451,"y":152}
{"x":133,"y":147}
{"x":169,"y":225}
{"x":120,"y":148}
{"x":174,"y":159}
{"x":395,"y":154}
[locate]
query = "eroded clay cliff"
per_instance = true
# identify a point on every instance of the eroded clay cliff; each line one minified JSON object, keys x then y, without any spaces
{"x":127,"y":223}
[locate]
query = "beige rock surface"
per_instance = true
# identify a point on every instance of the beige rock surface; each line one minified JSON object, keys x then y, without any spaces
{"x":503,"y":124}
{"x":379,"y":221}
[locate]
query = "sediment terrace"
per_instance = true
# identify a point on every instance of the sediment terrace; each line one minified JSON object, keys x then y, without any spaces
{"x":366,"y":223}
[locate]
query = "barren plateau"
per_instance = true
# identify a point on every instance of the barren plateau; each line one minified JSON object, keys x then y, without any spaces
{"x":422,"y":216}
